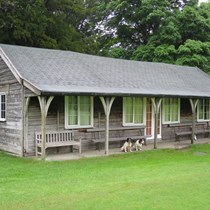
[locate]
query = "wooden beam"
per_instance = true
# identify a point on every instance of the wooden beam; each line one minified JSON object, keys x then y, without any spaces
{"x":156,"y":103}
{"x":107,"y":105}
{"x":44,"y":106}
{"x":49,"y":100}
{"x":193,"y":103}
{"x":25,"y":122}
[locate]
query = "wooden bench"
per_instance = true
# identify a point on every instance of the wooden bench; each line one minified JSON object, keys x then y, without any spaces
{"x":57,"y":139}
{"x":120,"y":137}
{"x":185,"y":129}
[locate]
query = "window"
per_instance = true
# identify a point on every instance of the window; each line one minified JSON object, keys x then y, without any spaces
{"x":203,"y":110}
{"x":78,"y":111}
{"x":171,"y":110}
{"x":2,"y":107}
{"x":133,"y":111}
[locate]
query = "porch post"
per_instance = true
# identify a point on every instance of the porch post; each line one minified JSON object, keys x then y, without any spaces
{"x":193,"y":103}
{"x":107,"y":105}
{"x":44,"y":106}
{"x":25,"y":122}
{"x":156,"y":102}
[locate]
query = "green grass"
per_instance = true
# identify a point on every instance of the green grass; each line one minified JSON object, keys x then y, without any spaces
{"x":159,"y":179}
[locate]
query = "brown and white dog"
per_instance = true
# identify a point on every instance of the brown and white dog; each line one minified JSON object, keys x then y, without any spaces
{"x":138,"y":144}
{"x":127,"y":146}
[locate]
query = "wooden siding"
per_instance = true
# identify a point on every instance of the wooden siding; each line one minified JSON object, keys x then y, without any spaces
{"x":11,"y":129}
{"x":28,"y":93}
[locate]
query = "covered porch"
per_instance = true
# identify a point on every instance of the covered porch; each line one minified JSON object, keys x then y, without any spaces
{"x":55,"y":138}
{"x":116,"y":151}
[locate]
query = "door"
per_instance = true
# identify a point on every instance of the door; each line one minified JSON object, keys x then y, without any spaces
{"x":150,"y":121}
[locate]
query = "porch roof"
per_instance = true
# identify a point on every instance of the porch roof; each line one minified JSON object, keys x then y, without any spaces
{"x":57,"y":72}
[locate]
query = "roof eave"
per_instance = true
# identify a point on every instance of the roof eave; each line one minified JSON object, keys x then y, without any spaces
{"x":57,"y":93}
{"x":31,"y":87}
{"x":10,"y":66}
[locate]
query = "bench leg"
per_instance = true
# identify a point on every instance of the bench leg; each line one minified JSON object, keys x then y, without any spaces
{"x":80,"y":149}
{"x":177,"y":138}
{"x":71,"y":148}
{"x":97,"y":146}
{"x":80,"y":145}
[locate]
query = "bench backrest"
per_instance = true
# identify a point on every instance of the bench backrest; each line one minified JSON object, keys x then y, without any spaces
{"x":55,"y":136}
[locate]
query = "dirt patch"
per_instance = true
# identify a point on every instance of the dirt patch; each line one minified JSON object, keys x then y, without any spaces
{"x":200,"y":153}
{"x":181,"y":146}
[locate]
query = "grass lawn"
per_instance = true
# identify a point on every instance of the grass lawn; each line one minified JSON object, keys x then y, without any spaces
{"x":158,"y":179}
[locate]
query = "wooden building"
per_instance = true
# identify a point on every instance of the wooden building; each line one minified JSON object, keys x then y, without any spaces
{"x":49,"y":98}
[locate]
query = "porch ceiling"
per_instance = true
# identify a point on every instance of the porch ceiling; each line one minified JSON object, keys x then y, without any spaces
{"x":56,"y":72}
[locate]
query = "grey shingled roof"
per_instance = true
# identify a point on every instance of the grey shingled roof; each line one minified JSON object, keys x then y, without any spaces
{"x":66,"y":72}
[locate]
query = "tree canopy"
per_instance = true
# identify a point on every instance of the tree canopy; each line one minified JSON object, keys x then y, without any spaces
{"x":170,"y":31}
{"x":59,"y":24}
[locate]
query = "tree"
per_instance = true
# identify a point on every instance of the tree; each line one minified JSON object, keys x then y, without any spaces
{"x":24,"y":24}
{"x":180,"y":40}
{"x":194,"y":53}
{"x":194,"y":23}
{"x":47,"y":23}
{"x":133,"y":23}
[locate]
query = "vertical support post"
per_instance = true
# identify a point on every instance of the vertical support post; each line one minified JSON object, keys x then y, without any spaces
{"x":107,"y":105}
{"x":25,"y":135}
{"x":193,"y":103}
{"x":156,"y":102}
{"x":44,"y":106}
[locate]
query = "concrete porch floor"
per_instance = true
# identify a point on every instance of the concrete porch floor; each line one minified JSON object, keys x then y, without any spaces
{"x":99,"y":153}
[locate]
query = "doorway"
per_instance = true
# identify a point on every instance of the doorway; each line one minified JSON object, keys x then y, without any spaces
{"x":150,"y":121}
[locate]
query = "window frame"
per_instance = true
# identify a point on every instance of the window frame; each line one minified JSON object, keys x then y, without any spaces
{"x":2,"y":119}
{"x":198,"y":111}
{"x":133,"y":121}
{"x":78,"y":125}
{"x":164,"y":112}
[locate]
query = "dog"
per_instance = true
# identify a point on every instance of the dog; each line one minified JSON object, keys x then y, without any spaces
{"x":127,"y":146}
{"x":138,"y":144}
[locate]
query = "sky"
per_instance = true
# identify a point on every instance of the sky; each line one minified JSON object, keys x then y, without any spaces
{"x":202,"y":1}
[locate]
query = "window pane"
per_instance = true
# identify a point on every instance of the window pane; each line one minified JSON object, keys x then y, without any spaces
{"x":133,"y":110}
{"x":206,"y":112}
{"x":167,"y":109}
{"x":204,"y":109}
{"x":174,"y":109}
{"x":129,"y":110}
{"x":138,"y":109}
{"x":85,"y":110}
{"x":79,"y":111}
{"x":171,"y":109}
{"x":2,"y":106}
{"x":73,"y":110}
{"x":201,"y":109}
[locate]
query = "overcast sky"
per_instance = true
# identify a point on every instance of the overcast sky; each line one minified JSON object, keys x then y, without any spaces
{"x":202,"y":1}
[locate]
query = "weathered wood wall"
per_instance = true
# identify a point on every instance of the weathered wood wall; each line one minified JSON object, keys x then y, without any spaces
{"x":11,"y":129}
